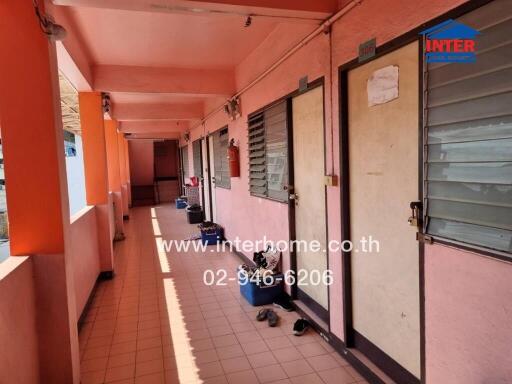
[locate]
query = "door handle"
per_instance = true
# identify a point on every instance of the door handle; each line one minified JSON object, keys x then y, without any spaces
{"x":294,"y":197}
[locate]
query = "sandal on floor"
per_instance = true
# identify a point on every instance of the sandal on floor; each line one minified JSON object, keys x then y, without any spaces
{"x":262,"y":314}
{"x":272,"y":318}
{"x":300,"y":327}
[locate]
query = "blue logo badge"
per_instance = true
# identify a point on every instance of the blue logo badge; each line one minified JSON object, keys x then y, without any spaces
{"x":450,"y":42}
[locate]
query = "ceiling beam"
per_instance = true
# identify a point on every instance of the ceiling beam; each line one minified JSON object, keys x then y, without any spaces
{"x":184,"y":81}
{"x":302,"y":11}
{"x":155,"y":136}
{"x":124,"y":111}
{"x":287,"y":10}
{"x":317,"y":6}
{"x":73,"y":57}
{"x":153,"y":126}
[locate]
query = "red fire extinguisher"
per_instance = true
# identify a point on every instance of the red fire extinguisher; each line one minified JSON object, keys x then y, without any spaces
{"x":234,"y":159}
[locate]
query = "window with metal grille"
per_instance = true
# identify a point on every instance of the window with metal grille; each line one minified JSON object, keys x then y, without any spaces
{"x":196,"y":154}
{"x":184,"y":162}
{"x":468,"y":137}
{"x":220,"y":158}
{"x":268,"y":153}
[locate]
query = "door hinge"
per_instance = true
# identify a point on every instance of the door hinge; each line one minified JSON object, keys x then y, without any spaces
{"x":423,"y":238}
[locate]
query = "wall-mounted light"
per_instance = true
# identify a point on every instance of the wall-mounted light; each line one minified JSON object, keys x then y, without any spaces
{"x":105,"y":102}
{"x":54,"y":31}
{"x":232,"y":108}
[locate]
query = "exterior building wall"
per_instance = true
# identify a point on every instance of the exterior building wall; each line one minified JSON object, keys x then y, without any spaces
{"x":250,"y":218}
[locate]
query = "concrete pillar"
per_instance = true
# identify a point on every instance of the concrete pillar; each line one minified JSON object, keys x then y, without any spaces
{"x":114,"y":176}
{"x":37,"y":200}
{"x":124,"y":178}
{"x":96,"y":173}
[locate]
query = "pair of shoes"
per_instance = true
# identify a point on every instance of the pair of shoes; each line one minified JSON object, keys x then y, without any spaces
{"x":270,"y":315}
{"x":283,"y":302}
{"x":300,"y":327}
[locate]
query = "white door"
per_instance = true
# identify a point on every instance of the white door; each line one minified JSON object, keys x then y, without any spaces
{"x":309,"y":192}
{"x":206,"y":180}
{"x":211,"y":167}
{"x":383,"y":169}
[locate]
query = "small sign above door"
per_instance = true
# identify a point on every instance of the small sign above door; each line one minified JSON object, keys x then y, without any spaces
{"x":303,"y":84}
{"x":367,"y":50}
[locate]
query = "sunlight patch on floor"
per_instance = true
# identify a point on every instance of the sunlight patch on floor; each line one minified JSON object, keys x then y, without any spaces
{"x":185,"y":361}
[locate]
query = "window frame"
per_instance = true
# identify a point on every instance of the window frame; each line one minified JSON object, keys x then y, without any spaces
{"x":425,"y":236}
{"x":184,"y":167}
{"x":197,"y":144}
{"x":285,"y":100}
{"x":215,"y":137}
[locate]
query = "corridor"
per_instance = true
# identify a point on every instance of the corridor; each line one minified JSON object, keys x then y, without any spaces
{"x":157,"y":322}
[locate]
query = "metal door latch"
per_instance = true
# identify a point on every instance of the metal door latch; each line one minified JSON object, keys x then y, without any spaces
{"x":294,"y":197}
{"x":423,"y":238}
{"x":414,"y":219}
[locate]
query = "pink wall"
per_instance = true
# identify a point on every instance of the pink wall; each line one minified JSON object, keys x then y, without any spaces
{"x":468,"y":317}
{"x":141,"y":162}
{"x":271,"y":218}
{"x":468,"y":306}
{"x":19,"y":361}
{"x":167,"y":166}
{"x":85,"y":253}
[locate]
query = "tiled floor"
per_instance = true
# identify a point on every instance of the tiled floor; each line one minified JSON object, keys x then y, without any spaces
{"x":157,"y":322}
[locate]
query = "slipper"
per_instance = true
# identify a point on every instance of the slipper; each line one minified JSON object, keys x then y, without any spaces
{"x":283,"y":302}
{"x":300,"y":327}
{"x":262,"y":314}
{"x":272,"y":318}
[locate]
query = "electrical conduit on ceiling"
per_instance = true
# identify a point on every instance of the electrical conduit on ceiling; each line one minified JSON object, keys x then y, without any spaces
{"x":325,"y":26}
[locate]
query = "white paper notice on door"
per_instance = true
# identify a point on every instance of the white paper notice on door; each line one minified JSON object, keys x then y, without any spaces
{"x":382,"y":86}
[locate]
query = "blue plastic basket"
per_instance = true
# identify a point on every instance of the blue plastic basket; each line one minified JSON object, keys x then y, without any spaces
{"x":260,"y":294}
{"x":212,"y":237}
{"x":181,"y":204}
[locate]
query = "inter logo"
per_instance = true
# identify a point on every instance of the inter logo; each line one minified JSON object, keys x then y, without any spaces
{"x":450,"y":42}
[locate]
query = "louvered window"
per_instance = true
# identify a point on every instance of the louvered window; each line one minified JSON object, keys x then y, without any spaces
{"x":220,"y":158}
{"x":196,"y":153}
{"x":184,"y":161}
{"x":468,"y":149}
{"x":268,"y":153}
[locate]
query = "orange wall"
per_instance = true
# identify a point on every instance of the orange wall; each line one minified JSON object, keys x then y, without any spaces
{"x":114,"y":172}
{"x":141,"y":162}
{"x":19,"y":362}
{"x":85,"y":255}
{"x":30,"y":138}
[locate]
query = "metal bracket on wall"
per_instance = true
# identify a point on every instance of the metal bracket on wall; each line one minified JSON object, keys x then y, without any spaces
{"x":423,"y":238}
